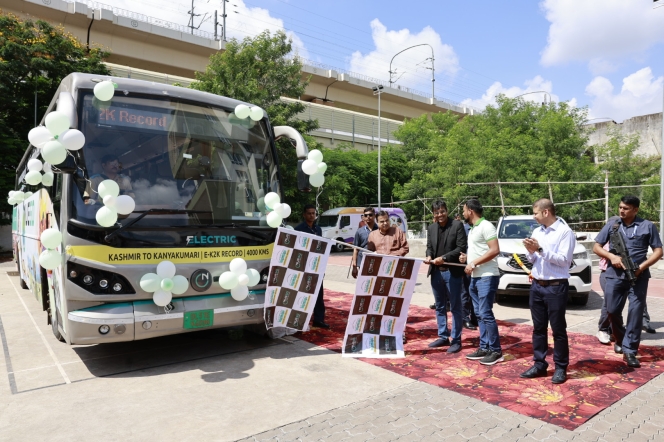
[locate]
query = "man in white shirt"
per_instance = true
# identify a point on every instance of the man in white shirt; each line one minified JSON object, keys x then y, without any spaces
{"x":550,"y":250}
{"x":483,"y":269}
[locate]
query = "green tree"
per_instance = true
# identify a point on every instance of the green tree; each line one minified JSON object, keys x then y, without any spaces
{"x":34,"y":58}
{"x":260,"y":71}
{"x":514,"y":140}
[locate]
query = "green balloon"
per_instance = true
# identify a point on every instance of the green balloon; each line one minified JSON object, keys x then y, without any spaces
{"x":54,"y":152}
{"x":167,"y":284}
{"x":180,"y":285}
{"x":50,"y":259}
{"x":33,"y":178}
{"x":106,"y":217}
{"x":51,"y":238}
{"x":228,"y":280}
{"x":150,"y":282}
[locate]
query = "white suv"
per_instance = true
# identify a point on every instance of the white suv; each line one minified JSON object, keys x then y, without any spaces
{"x":514,"y":281}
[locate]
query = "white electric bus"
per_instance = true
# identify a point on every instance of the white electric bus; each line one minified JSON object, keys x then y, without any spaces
{"x":196,"y":173}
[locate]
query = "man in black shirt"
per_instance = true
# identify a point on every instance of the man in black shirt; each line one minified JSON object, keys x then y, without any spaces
{"x":446,"y":240}
{"x":309,"y":226}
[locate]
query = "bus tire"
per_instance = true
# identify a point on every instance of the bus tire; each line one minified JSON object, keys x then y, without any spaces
{"x":54,"y":324}
{"x":22,"y":283}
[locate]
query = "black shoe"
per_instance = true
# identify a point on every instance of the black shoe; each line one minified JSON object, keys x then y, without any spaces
{"x":533,"y":372}
{"x":478,"y":354}
{"x":321,"y":324}
{"x":440,"y":342}
{"x":631,"y":360}
{"x":559,"y":376}
{"x":454,"y":348}
{"x":469,"y":325}
{"x":648,"y":329}
{"x":432,"y":306}
{"x":403,"y":338}
{"x":617,"y":349}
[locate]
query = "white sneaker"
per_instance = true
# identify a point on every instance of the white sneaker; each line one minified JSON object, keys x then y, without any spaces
{"x":603,"y":337}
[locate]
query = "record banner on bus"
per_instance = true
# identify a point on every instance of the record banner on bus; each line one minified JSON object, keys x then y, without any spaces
{"x":296,"y":274}
{"x":379,"y":311}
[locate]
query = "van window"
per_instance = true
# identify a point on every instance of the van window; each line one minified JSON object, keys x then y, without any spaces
{"x":345,"y":221}
{"x":328,"y":221}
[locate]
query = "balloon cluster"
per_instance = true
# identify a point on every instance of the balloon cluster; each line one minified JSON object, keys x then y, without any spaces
{"x":164,"y":284}
{"x":276,"y":210}
{"x":50,"y":258}
{"x":34,"y":176}
{"x":315,"y":168}
{"x":239,"y":279}
{"x":247,"y":115}
{"x":104,"y":90}
{"x":16,"y":196}
{"x":56,"y":138}
{"x":109,"y":190}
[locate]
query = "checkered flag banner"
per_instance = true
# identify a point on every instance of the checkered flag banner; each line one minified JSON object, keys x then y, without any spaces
{"x":296,"y":274}
{"x":378,"y":315}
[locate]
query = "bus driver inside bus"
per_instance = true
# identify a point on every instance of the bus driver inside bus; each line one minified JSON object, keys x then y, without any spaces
{"x":111,"y":168}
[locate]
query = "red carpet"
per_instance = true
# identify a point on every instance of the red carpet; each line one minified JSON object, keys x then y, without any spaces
{"x":597,"y":377}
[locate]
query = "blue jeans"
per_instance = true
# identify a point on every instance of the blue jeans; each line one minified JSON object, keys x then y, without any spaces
{"x":483,"y":293}
{"x":445,"y":285}
{"x":618,"y":291}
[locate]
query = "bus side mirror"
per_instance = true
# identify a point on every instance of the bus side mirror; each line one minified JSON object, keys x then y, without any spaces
{"x":302,"y":178}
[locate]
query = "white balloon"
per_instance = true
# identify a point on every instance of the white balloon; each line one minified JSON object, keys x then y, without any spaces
{"x":317,"y":179}
{"x":238,"y":266}
{"x":228,"y":280}
{"x":243,"y":279}
{"x":35,"y":165}
{"x":47,"y":168}
{"x":11,"y":201}
{"x":162,"y":297}
{"x":272,"y":199}
{"x":286,"y":210}
{"x":242,"y":111}
{"x":309,"y":167}
{"x":51,"y":238}
{"x":125,"y":204}
{"x":104,"y":91}
{"x":150,"y":282}
{"x":56,"y":123}
{"x":290,"y":227}
{"x":261,"y":204}
{"x":33,"y":177}
{"x":240,"y":292}
{"x":39,"y":136}
{"x":27,"y":195}
{"x":180,"y":285}
{"x":322,"y":168}
{"x":279,"y":209}
{"x":254,"y":277}
{"x":109,"y":201}
{"x":47,"y":179}
{"x":54,"y":152}
{"x":11,"y":193}
{"x":316,"y":156}
{"x":256,"y":113}
{"x":108,"y":187}
{"x":72,"y":139}
{"x":106,"y":216}
{"x":273,"y":219}
{"x":50,"y":259}
{"x":19,"y":196}
{"x":166,"y":269}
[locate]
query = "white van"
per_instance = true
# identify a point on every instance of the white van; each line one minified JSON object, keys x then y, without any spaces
{"x":342,"y":223}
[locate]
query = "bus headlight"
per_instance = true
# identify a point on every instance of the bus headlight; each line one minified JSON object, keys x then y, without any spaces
{"x":87,"y":279}
{"x":110,"y":283}
{"x":104,"y":329}
{"x":117,"y":287}
{"x":103,"y":283}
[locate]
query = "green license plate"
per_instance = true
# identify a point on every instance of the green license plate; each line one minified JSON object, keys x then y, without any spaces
{"x":198,"y":319}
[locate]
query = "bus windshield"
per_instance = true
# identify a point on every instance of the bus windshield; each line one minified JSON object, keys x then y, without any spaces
{"x":196,"y":158}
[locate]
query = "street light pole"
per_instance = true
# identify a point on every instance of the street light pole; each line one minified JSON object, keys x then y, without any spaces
{"x":537,"y":92}
{"x":433,"y":68}
{"x":378,"y":90}
{"x":661,"y":178}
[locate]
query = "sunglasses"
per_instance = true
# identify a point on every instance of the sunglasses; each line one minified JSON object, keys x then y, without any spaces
{"x":368,"y":215}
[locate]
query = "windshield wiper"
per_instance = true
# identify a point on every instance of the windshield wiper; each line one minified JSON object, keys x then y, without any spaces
{"x":113,"y":234}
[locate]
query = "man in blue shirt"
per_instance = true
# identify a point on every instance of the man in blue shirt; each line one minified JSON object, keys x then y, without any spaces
{"x":309,"y":226}
{"x":362,"y":238}
{"x":638,"y":235}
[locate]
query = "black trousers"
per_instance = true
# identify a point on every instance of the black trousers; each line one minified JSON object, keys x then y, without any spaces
{"x":617,"y":292}
{"x":548,"y":305}
{"x":467,"y":302}
{"x":604,"y":323}
{"x":319,"y":308}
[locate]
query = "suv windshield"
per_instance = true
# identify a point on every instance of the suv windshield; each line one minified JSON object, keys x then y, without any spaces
{"x":170,"y":154}
{"x":517,"y":228}
{"x":328,"y":220}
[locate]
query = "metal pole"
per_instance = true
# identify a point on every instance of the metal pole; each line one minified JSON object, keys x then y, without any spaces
{"x":606,"y":196}
{"x":379,"y":151}
{"x":216,"y":24}
{"x":433,"y":79}
{"x":223,"y":19}
{"x":353,"y":117}
{"x":661,"y":178}
{"x":550,"y":192}
{"x":502,"y":202}
{"x":35,"y":105}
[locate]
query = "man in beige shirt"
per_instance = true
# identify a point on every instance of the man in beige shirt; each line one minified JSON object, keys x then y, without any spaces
{"x":387,"y":240}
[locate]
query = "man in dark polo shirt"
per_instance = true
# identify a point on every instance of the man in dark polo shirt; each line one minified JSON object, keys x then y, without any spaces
{"x":638,"y":234}
{"x":309,"y":226}
{"x":362,"y":238}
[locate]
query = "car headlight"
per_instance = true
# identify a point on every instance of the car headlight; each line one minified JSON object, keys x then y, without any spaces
{"x":582,"y":255}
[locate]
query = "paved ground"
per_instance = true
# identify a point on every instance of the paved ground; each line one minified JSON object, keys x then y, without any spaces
{"x":206,"y":386}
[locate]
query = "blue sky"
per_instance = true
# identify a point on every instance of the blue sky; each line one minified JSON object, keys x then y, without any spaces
{"x":604,"y":54}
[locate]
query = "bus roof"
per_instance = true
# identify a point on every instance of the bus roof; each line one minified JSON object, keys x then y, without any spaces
{"x":358,"y":210}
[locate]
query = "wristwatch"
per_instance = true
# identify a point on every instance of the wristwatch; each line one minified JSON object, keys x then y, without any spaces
{"x":540,"y":250}
{"x":472,"y":265}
